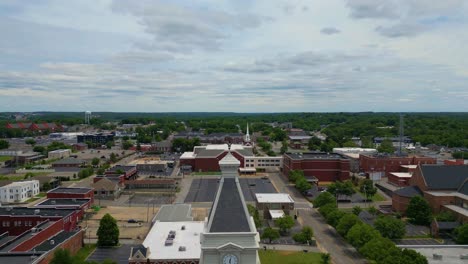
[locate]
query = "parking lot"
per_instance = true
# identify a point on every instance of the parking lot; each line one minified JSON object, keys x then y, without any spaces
{"x":142,"y":199}
{"x":119,"y":255}
{"x":204,"y":190}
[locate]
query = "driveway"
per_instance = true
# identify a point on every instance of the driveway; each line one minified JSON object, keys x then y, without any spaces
{"x":119,"y":255}
{"x":328,"y":239}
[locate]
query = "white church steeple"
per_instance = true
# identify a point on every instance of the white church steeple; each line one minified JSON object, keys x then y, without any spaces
{"x":247,"y":135}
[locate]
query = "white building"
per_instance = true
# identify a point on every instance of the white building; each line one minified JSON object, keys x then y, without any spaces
{"x":18,"y":192}
{"x":59,"y":154}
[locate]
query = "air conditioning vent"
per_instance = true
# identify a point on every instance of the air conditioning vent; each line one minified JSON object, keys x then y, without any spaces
{"x":181,"y":248}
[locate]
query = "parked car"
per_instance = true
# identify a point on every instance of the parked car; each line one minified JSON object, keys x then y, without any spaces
{"x":132,"y":221}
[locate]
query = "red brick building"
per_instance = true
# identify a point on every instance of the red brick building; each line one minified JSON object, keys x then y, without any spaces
{"x":389,"y":163}
{"x":35,"y":126}
{"x":71,"y":193}
{"x":323,"y":166}
{"x":129,"y":172}
{"x":445,"y":187}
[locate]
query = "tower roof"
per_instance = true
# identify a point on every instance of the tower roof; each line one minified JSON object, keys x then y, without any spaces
{"x":229,"y":159}
{"x":229,"y":213}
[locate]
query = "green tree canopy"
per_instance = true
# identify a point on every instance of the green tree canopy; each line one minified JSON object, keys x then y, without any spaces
{"x":334,"y":217}
{"x":390,"y":227}
{"x":419,"y":211}
{"x":341,"y":188}
{"x":4,"y":144}
{"x":386,"y":146}
{"x":126,"y":144}
{"x":304,"y":236}
{"x":270,"y":234}
{"x":357,"y":210}
{"x":367,"y":187}
{"x":461,"y":234}
{"x":30,"y":141}
{"x":285,"y":223}
{"x":95,"y":161}
{"x":323,"y":199}
{"x":346,"y":223}
{"x":108,"y":232}
{"x":360,"y":234}
{"x":378,"y":249}
{"x":61,"y":256}
{"x":327,"y":209}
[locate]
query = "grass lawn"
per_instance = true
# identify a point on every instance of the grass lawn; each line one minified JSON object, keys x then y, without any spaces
{"x":5,"y":158}
{"x":85,"y":251}
{"x":41,"y":194}
{"x":288,"y":257}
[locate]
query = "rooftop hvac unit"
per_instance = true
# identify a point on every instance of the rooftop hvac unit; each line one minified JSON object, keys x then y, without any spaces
{"x":169,"y":242}
{"x":52,"y":242}
{"x":53,"y":202}
{"x":182,"y":228}
{"x":37,"y":211}
{"x":9,"y":208}
{"x":181,"y":248}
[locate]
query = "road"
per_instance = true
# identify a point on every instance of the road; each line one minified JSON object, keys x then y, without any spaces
{"x":327,"y":238}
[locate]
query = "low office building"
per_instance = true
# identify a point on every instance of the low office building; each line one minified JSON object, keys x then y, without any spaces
{"x":107,"y":189}
{"x":444,"y":187}
{"x":274,"y":205}
{"x":206,"y":158}
{"x":59,"y":154}
{"x":298,"y":141}
{"x":129,"y":172}
{"x":170,"y":242}
{"x":353,"y":155}
{"x":79,"y":146}
{"x":31,"y":235}
{"x":318,"y":166}
{"x":18,"y":192}
{"x":380,"y":164}
{"x":68,"y":163}
{"x":72,"y":193}
{"x":81,"y":205}
{"x":100,"y":138}
{"x":151,"y":165}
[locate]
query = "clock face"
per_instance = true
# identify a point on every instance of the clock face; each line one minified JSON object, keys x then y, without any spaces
{"x":230,"y":259}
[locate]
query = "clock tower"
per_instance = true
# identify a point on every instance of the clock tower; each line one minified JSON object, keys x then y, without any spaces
{"x":230,"y":236}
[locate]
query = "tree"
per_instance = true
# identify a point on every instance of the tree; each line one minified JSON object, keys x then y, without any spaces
{"x":368,"y":188}
{"x":126,"y":144}
{"x":357,"y":210}
{"x":303,"y":185}
{"x":304,"y":236}
{"x":284,"y":147}
{"x":325,"y":258}
{"x":285,"y":223}
{"x":30,"y":141}
{"x":108,"y":232}
{"x":390,"y":227}
{"x":109,"y":144}
{"x":327,"y":209}
{"x":254,"y":213}
{"x":419,"y":211}
{"x":61,"y":256}
{"x":95,"y":161}
{"x":270,"y":234}
{"x":334,"y":217}
{"x":386,"y":146}
{"x":46,"y":186}
{"x":461,"y":234}
{"x":341,"y":188}
{"x":113,"y":157}
{"x":346,"y":223}
{"x":360,"y":234}
{"x":314,"y":143}
{"x":39,"y":149}
{"x":294,"y":175}
{"x":4,"y":144}
{"x":379,"y":248}
{"x":323,"y":199}
{"x":411,"y":256}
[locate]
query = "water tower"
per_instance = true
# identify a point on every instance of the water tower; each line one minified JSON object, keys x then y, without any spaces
{"x":87,"y":117}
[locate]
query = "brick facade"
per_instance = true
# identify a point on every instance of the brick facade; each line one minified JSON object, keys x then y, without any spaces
{"x":73,"y":244}
{"x":387,"y":164}
{"x":326,"y":170}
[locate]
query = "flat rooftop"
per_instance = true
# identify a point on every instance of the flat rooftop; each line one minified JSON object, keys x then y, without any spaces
{"x":274,"y":198}
{"x":314,"y":156}
{"x":24,"y":211}
{"x":61,"y":201}
{"x":70,"y":190}
{"x":402,"y":174}
{"x":188,"y":238}
{"x":148,"y":161}
{"x":174,"y":213}
{"x":449,"y":254}
{"x":120,"y":167}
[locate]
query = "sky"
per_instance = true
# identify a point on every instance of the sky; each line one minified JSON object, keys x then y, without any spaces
{"x":234,"y":55}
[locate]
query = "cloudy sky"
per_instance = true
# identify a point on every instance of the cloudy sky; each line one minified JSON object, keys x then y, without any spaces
{"x":234,"y":55}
